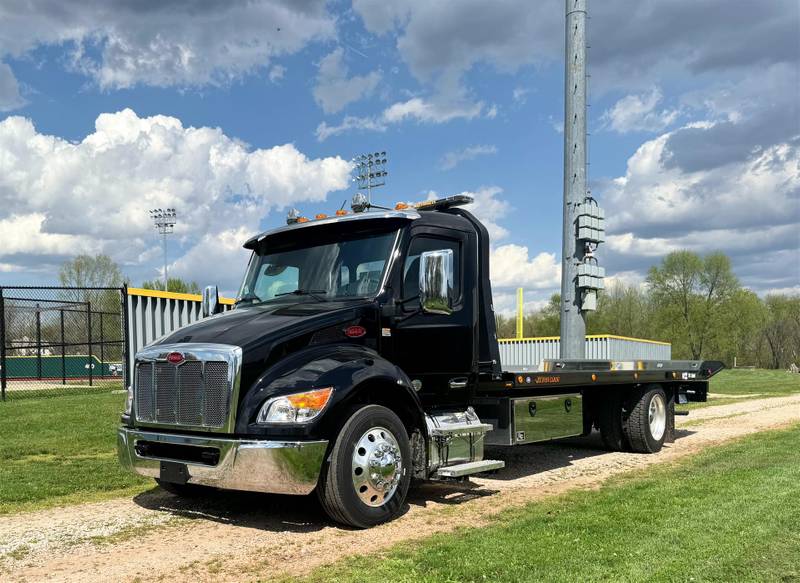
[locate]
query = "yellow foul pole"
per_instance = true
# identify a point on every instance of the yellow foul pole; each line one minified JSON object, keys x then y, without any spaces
{"x":519,"y":312}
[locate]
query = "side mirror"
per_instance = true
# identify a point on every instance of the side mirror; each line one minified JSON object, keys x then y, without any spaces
{"x":210,"y":303}
{"x":436,"y":281}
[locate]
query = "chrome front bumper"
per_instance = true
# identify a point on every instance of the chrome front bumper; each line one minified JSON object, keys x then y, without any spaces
{"x":280,"y":467}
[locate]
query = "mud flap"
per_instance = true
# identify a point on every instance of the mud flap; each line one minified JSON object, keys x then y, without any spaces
{"x":669,"y":435}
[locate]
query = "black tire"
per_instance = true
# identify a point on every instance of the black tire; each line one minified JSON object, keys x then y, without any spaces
{"x":639,"y":428}
{"x":610,"y":422}
{"x":336,"y":490}
{"x":183,"y":490}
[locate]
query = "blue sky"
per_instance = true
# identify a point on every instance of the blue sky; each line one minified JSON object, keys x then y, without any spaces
{"x":233,"y":112}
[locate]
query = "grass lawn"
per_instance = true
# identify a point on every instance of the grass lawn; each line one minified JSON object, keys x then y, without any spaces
{"x":61,"y":450}
{"x":767,"y":383}
{"x":728,"y":514}
{"x":761,"y":383}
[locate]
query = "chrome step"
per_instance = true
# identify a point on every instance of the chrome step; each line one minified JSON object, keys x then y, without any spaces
{"x":469,"y":468}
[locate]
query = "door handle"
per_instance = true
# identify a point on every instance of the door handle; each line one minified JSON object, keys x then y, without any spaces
{"x":458,"y":383}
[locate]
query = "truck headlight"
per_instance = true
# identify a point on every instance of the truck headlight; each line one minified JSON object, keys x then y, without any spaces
{"x":129,"y":401}
{"x":295,"y":408}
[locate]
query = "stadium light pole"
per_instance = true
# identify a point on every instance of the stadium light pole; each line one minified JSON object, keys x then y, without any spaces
{"x":164,"y":221}
{"x":371,"y":172}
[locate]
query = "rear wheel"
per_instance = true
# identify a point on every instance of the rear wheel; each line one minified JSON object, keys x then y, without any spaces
{"x":611,"y":424}
{"x":367,"y":478}
{"x":646,"y":426}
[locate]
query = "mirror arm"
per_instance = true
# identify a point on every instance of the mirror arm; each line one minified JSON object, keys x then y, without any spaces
{"x":406,"y":300}
{"x":400,"y":319}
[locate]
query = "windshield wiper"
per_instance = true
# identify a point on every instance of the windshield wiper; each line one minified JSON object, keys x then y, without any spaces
{"x":305,"y":292}
{"x":248,"y":298}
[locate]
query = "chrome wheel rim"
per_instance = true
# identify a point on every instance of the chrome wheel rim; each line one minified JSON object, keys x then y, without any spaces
{"x":657,"y":417}
{"x":377,"y":466}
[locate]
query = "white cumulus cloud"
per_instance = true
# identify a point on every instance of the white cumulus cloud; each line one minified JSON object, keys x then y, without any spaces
{"x":59,"y":198}
{"x":452,"y":159}
{"x":639,"y":113}
{"x":334,"y":89}
{"x":120,"y":44}
{"x":436,"y":110}
{"x":512,"y":266}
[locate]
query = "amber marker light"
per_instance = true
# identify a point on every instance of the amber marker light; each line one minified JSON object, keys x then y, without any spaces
{"x":295,"y":408}
{"x":321,"y":216}
{"x":312,"y":399}
{"x":520,"y":379}
{"x":341,"y":213}
{"x":302,"y":219}
{"x":594,"y":377}
{"x":400,"y":206}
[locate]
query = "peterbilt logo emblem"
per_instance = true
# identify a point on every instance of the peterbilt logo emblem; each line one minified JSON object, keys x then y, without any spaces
{"x":175,"y":358}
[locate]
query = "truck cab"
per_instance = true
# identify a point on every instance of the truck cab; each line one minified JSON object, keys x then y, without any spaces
{"x":362,"y":353}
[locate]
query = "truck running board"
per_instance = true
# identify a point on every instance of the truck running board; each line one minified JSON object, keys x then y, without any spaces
{"x":469,"y":468}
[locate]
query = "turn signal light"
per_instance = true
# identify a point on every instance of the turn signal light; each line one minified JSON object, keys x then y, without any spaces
{"x":310,"y":400}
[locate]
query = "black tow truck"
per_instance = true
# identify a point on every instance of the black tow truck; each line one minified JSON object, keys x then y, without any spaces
{"x":362,"y":353}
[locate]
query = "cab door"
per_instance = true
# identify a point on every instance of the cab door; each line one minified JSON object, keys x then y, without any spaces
{"x":439,"y":350}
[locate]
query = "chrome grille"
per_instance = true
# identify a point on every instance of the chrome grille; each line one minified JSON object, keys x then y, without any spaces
{"x":193,"y":393}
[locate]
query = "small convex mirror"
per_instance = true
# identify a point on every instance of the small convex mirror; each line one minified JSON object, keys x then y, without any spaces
{"x":436,"y":281}
{"x":210,"y":303}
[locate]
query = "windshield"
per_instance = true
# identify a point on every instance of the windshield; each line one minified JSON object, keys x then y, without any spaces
{"x":351,"y":267}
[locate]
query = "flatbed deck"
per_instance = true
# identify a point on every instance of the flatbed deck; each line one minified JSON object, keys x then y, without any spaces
{"x":570,"y":375}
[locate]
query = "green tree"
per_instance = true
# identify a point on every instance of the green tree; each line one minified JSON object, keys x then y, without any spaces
{"x":688,"y":291}
{"x":623,"y":310}
{"x":736,"y":333}
{"x":781,"y":330}
{"x":174,"y":284}
{"x":88,"y":271}
{"x":91,"y":271}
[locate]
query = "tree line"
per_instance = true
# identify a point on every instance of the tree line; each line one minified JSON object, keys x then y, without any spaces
{"x":102,"y":271}
{"x":697,"y":304}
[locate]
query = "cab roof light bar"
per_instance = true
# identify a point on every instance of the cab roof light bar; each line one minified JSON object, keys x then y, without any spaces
{"x":441,"y":204}
{"x":361,"y":203}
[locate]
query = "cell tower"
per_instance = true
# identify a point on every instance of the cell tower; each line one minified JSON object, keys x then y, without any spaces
{"x":584,"y":228}
{"x":164,"y":221}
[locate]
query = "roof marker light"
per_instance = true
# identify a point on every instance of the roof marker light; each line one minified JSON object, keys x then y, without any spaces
{"x":400,"y":206}
{"x":320,"y":216}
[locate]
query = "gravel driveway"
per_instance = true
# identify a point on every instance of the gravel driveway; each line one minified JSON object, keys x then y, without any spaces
{"x":237,"y":536}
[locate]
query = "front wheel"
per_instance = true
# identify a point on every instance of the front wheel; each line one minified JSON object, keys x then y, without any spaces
{"x":367,"y":478}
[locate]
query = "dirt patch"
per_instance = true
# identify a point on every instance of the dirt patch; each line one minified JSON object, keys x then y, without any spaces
{"x":237,"y":536}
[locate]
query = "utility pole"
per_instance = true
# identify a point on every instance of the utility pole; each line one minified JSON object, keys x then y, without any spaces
{"x":583,"y":228}
{"x":164,"y":220}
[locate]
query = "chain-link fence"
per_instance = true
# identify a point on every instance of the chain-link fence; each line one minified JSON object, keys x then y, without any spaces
{"x":60,"y":340}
